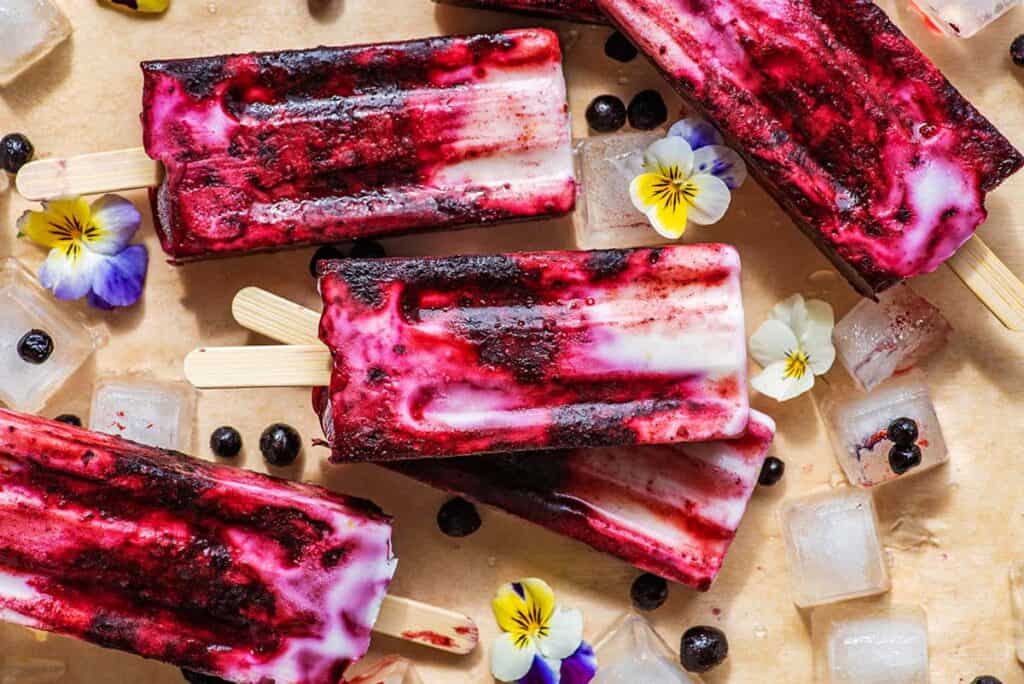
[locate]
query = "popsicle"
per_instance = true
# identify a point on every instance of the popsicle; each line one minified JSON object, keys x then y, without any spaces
{"x":218,"y":570}
{"x":669,"y":510}
{"x":474,"y":354}
{"x":270,"y":150}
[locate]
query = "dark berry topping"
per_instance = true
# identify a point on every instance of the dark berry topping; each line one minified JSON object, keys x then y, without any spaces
{"x":606,"y":114}
{"x":35,"y":346}
{"x":194,"y":677}
{"x":458,"y":518}
{"x":647,"y":110}
{"x":226,"y":442}
{"x":280,"y":444}
{"x":367,"y":249}
{"x":771,"y":472}
{"x":619,"y":48}
{"x":15,"y":152}
{"x":70,"y":419}
{"x":703,"y":648}
{"x":903,"y":457}
{"x":986,"y":679}
{"x":1017,"y":50}
{"x":324,"y":253}
{"x":902,"y":431}
{"x":648,"y":592}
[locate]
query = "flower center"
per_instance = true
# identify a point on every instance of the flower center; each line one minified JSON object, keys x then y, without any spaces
{"x":70,"y":234}
{"x":673,"y":187}
{"x":796,"y":364}
{"x":531,"y":626}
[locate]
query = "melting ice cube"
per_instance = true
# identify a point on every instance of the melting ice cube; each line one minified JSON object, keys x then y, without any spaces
{"x":632,"y":652}
{"x":877,"y":339}
{"x":833,"y":547}
{"x":26,"y":306}
{"x":390,"y":670}
{"x":29,"y":30}
{"x":606,"y":217}
{"x":964,"y":18}
{"x":146,"y":411}
{"x":858,"y":424}
{"x":858,"y":643}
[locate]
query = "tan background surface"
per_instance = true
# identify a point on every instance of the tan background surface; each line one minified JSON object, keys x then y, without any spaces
{"x":86,"y":97}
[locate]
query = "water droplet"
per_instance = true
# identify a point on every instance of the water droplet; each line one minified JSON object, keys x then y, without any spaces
{"x":211,"y":7}
{"x":760,"y":632}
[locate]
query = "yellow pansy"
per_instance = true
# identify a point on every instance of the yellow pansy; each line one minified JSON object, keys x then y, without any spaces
{"x":793,"y":346}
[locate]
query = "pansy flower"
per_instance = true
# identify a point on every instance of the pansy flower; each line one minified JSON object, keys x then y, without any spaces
{"x":687,"y":176}
{"x":89,"y":251}
{"x":793,"y":346}
{"x":541,"y":642}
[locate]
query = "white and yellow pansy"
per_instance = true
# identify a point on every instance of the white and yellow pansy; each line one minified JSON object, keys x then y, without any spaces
{"x":793,"y":346}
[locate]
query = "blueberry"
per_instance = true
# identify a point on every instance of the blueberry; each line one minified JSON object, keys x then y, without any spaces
{"x":1017,"y":50}
{"x":35,"y":347}
{"x":194,"y":677}
{"x":986,"y":679}
{"x":280,"y":444}
{"x":367,"y":249}
{"x":902,"y":431}
{"x":647,"y":110}
{"x":226,"y":442}
{"x":619,"y":48}
{"x":606,"y":114}
{"x":771,"y":472}
{"x":648,"y":592}
{"x":70,"y":419}
{"x":703,"y":648}
{"x":903,"y":457}
{"x":15,"y":152}
{"x":458,"y":518}
{"x":324,"y":253}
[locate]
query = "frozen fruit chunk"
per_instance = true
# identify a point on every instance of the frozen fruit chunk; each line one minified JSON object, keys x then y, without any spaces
{"x":389,"y":670}
{"x":859,"y":423}
{"x":632,"y":652}
{"x":25,"y":306}
{"x":29,"y":30}
{"x":964,"y":18}
{"x":857,"y":643}
{"x":147,"y":411}
{"x":606,"y":217}
{"x":833,"y":547}
{"x":877,"y":339}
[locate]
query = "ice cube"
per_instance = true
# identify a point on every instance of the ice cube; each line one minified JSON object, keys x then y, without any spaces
{"x":858,"y":424}
{"x":18,"y":670}
{"x":833,"y":547}
{"x":865,"y":643}
{"x":25,"y":306}
{"x":631,"y":652}
{"x":389,"y":670}
{"x":877,"y":339}
{"x":144,"y":410}
{"x":29,"y":30}
{"x":606,"y":217}
{"x":1017,"y":604}
{"x":964,"y":18}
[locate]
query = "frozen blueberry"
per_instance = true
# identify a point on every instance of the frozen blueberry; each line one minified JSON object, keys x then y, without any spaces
{"x":324,"y":253}
{"x":619,"y":48}
{"x":903,"y":457}
{"x":647,"y":110}
{"x":15,"y":152}
{"x":606,"y":114}
{"x":367,"y":249}
{"x":70,"y":419}
{"x":648,"y":592}
{"x":194,"y":677}
{"x":902,"y":431}
{"x":771,"y":472}
{"x":458,"y":518}
{"x":226,"y":442}
{"x":986,"y":679}
{"x":35,"y":346}
{"x":703,"y":648}
{"x":1017,"y":50}
{"x":280,"y":444}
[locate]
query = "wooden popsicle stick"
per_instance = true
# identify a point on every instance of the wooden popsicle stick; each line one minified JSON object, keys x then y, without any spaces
{"x":991,"y":281}
{"x":265,"y":366}
{"x":428,"y":625}
{"x":88,"y":174}
{"x":275,"y":317}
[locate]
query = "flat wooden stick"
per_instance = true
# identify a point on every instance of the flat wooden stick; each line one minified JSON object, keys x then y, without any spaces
{"x":429,"y":625}
{"x":265,"y":366}
{"x":88,"y":174}
{"x":275,"y":317}
{"x":991,"y":281}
